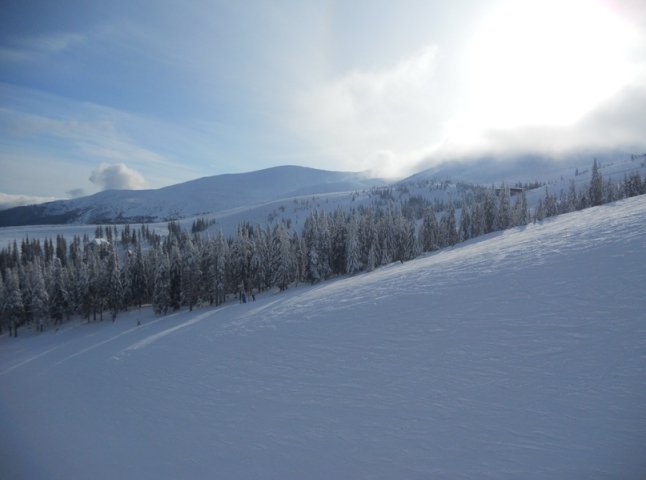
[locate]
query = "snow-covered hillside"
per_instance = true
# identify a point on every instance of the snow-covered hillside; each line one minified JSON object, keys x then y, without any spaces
{"x":204,"y":195}
{"x":275,"y":195}
{"x":516,"y":355}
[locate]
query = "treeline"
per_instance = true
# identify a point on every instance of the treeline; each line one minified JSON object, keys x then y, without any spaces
{"x":50,"y":281}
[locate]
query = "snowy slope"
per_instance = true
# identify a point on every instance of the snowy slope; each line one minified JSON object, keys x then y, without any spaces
{"x":204,"y":195}
{"x":527,"y":168}
{"x":520,"y":355}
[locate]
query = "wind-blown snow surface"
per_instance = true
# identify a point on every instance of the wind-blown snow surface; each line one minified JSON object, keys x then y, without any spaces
{"x":522,"y":355}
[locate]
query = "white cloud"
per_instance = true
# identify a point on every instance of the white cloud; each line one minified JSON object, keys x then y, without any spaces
{"x":10,"y":201}
{"x":528,"y":76}
{"x":81,"y":135}
{"x":117,"y":176}
{"x":376,"y":120}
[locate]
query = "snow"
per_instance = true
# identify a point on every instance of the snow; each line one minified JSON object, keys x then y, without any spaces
{"x":238,"y":203}
{"x":196,"y":197}
{"x":520,"y":354}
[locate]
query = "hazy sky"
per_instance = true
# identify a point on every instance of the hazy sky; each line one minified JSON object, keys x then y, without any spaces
{"x":142,"y":94}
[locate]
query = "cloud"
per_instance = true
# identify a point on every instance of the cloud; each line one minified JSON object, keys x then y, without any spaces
{"x":374,"y":119}
{"x":117,"y":176}
{"x":10,"y":201}
{"x":82,"y":135}
{"x":619,"y":122}
{"x":615,"y":125}
{"x":577,"y":87}
{"x":75,"y":193}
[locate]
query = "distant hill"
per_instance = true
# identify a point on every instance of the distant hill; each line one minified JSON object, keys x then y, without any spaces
{"x":204,"y":195}
{"x":523,"y":168}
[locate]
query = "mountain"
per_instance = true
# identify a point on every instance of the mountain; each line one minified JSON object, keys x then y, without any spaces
{"x":523,"y":168}
{"x":205,"y":195}
{"x":516,"y":355}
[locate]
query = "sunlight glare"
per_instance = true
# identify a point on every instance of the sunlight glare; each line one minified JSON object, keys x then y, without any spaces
{"x":543,"y":63}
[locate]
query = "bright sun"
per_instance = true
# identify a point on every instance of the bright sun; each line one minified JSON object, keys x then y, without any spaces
{"x":543,"y":63}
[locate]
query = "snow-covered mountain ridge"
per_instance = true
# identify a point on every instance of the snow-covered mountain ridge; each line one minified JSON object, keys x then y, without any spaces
{"x":204,"y":195}
{"x":230,"y":199}
{"x":515,"y":355}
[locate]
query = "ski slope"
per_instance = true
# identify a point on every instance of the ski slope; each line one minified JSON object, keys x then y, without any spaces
{"x":521,"y":354}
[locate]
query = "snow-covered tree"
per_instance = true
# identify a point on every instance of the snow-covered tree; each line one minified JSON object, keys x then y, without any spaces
{"x":596,"y":186}
{"x":39,"y":296}
{"x":520,"y":214}
{"x":429,"y":232}
{"x":281,"y":258}
{"x":477,"y":220}
{"x":57,"y":292}
{"x":503,"y":217}
{"x":115,"y":290}
{"x":353,"y":248}
{"x":190,"y":273}
{"x":490,"y":210}
{"x":217,"y":276}
{"x":633,"y":185}
{"x":465,"y":223}
{"x":161,"y":290}
{"x":13,"y":303}
{"x":175,"y":277}
{"x":137,"y":284}
{"x":448,"y":227}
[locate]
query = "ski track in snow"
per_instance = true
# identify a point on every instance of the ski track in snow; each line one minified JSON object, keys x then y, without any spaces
{"x":158,"y":336}
{"x":113,"y":338}
{"x":516,"y":355}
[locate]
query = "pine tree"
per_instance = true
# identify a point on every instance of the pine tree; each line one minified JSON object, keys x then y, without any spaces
{"x":240,"y":258}
{"x":353,"y":248}
{"x":550,"y":204}
{"x":465,"y":223}
{"x":372,"y":258}
{"x":596,"y":186}
{"x":503,"y":217}
{"x":539,"y":213}
{"x":429,"y":231}
{"x":490,"y":210}
{"x":190,"y":273}
{"x":39,"y":297}
{"x":57,"y":293}
{"x":175,"y":277}
{"x":13,"y":306}
{"x":219,"y":254}
{"x":313,"y":267}
{"x":137,"y":277}
{"x":3,"y":316}
{"x":448,"y":226}
{"x":161,"y":290}
{"x":633,"y":185}
{"x":571,"y":197}
{"x":83,"y":281}
{"x":520,"y":213}
{"x":281,"y":259}
{"x":477,"y":220}
{"x":114,"y":287}
{"x":299,"y":255}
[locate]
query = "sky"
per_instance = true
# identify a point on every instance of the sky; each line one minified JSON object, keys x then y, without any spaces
{"x":143,"y":94}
